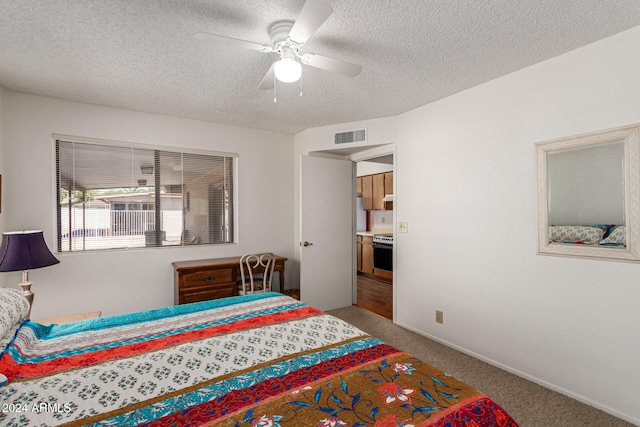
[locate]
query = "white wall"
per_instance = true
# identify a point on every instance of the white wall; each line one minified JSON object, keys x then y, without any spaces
{"x":383,"y":220}
{"x":465,"y":184}
{"x":125,"y":281}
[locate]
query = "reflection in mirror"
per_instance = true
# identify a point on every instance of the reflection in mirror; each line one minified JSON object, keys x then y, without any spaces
{"x":588,"y":195}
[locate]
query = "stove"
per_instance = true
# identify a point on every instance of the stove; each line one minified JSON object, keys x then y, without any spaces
{"x":383,"y":238}
{"x":382,"y":252}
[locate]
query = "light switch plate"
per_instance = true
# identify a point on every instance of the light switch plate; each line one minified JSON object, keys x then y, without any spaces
{"x":403,"y":227}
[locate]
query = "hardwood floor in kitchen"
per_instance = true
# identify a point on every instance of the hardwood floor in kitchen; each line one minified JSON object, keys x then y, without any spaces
{"x":375,"y":295}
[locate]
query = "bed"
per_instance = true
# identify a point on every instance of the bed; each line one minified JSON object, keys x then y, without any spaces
{"x":258,"y":360}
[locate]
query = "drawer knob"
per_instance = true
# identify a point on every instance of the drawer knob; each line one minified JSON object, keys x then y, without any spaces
{"x":209,"y":279}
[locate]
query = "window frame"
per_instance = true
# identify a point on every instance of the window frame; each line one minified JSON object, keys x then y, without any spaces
{"x":57,"y":234}
{"x":630,"y":135}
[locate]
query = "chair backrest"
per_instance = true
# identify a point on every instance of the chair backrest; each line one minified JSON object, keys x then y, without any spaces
{"x":256,"y":271}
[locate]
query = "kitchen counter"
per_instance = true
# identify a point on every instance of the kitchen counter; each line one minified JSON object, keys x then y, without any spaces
{"x":374,"y":232}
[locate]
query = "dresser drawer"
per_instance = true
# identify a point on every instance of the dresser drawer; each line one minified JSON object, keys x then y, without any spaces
{"x":208,"y":277}
{"x":207,"y":293}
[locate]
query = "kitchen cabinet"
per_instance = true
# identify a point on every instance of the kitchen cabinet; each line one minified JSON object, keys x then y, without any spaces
{"x":373,"y":188}
{"x":367,"y":254}
{"x":388,"y":183}
{"x":378,"y":191}
{"x":367,"y":192}
{"x":388,"y":189}
{"x":364,"y":247}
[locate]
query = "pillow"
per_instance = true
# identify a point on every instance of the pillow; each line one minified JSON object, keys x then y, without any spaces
{"x":585,"y":234}
{"x":14,"y":308}
{"x":4,"y":342}
{"x":616,"y":237}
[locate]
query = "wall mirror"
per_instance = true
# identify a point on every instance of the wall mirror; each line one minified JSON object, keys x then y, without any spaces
{"x":588,"y":195}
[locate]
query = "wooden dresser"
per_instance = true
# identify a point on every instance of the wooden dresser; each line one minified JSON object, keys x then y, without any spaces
{"x":208,"y":279}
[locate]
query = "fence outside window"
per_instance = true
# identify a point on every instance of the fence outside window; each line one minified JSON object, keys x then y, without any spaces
{"x":105,"y":228}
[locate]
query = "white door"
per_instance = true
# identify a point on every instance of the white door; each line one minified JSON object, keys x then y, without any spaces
{"x":326,"y":235}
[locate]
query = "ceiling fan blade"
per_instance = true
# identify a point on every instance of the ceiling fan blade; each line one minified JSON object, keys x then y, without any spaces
{"x":267,"y":81}
{"x":330,"y":64}
{"x":312,"y":15}
{"x":231,"y":42}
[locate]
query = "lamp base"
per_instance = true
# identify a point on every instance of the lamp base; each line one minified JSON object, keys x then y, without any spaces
{"x":28,"y":294}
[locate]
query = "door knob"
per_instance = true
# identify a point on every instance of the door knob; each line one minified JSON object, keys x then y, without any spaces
{"x":307,"y":244}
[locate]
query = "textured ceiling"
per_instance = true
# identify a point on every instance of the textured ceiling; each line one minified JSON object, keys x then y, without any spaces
{"x":141,"y":54}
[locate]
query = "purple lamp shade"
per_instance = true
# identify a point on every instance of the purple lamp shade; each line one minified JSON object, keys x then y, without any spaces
{"x":24,"y":250}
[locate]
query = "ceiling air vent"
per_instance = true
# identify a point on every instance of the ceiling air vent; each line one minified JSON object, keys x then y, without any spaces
{"x":351,"y":136}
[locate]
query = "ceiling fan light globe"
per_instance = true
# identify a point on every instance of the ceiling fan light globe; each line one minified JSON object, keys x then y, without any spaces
{"x":287,"y":70}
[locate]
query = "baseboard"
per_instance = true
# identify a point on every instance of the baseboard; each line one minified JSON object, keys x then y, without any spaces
{"x":543,"y":383}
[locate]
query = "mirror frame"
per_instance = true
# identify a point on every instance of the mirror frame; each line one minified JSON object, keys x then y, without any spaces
{"x":627,"y":134}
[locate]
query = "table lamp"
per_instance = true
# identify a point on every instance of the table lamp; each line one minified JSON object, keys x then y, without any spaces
{"x":25,"y":250}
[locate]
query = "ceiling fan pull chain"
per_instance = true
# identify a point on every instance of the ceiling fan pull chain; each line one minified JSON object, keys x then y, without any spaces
{"x":301,"y":86}
{"x":275,"y":83}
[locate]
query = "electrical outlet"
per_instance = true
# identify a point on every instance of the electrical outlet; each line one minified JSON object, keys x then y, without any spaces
{"x":403,"y":227}
{"x":439,"y":317}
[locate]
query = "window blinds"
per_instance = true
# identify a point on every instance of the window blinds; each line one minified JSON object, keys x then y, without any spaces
{"x":112,"y":195}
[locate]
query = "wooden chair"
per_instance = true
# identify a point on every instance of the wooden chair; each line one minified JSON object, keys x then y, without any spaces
{"x":256,"y":272}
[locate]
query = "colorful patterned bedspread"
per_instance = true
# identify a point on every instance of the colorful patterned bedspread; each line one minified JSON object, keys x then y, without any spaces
{"x":258,"y":360}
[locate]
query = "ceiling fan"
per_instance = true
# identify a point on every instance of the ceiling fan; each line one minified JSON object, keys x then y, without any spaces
{"x":287,"y":38}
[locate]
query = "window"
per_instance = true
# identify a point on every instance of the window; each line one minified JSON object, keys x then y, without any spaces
{"x":115,"y":195}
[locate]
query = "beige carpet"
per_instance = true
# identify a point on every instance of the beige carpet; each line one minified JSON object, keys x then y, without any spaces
{"x":528,"y":403}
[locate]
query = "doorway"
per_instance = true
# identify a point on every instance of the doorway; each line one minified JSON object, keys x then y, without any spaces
{"x":347,"y":280}
{"x":374,"y":220}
